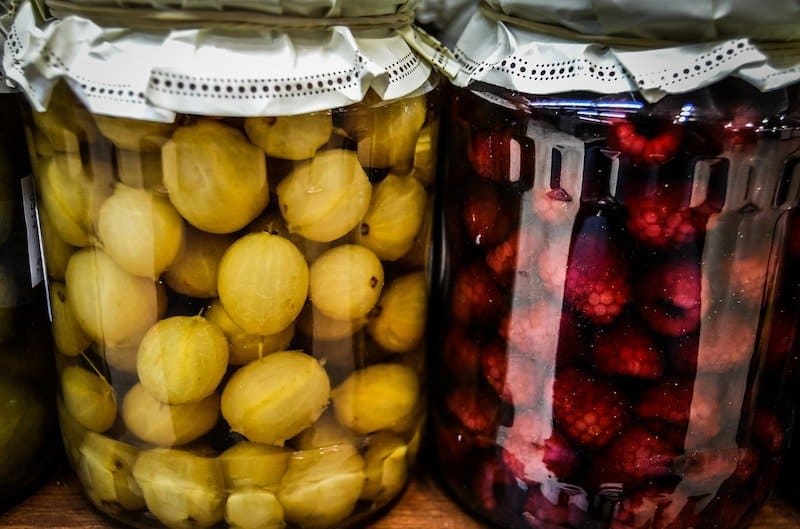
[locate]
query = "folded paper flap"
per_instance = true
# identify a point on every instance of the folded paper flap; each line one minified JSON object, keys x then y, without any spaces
{"x":258,"y":72}
{"x":684,"y":20}
{"x":495,"y":50}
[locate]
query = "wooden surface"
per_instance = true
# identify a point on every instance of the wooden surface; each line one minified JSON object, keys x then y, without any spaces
{"x":424,"y":506}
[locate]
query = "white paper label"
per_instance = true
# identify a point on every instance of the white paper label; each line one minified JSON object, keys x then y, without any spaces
{"x":32,"y":227}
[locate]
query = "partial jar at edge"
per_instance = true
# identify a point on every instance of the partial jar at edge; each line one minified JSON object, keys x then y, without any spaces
{"x":240,"y":308}
{"x":619,"y":306}
{"x":28,"y":426}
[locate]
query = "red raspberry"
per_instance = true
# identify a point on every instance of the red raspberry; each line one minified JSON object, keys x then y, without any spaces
{"x":706,"y":468}
{"x":727,"y":342}
{"x":654,"y":508}
{"x":748,"y":278}
{"x":500,"y":157}
{"x":768,"y":433}
{"x":597,"y":278}
{"x":533,"y":331}
{"x":476,"y":296}
{"x":515,"y":255}
{"x":490,"y":484}
{"x":591,"y":413}
{"x":671,"y":298}
{"x":461,"y":354}
{"x":657,"y":148}
{"x":553,"y":206}
{"x":476,"y":410}
{"x":453,"y":445}
{"x":676,"y":402}
{"x":486,"y":216}
{"x":663,"y":218}
{"x":534,"y":452}
{"x":636,"y":457}
{"x":782,"y":337}
{"x":517,"y":380}
{"x":627,"y":350}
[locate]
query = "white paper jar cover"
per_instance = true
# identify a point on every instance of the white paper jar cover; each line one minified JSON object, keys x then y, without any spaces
{"x":708,"y":42}
{"x":257,"y":72}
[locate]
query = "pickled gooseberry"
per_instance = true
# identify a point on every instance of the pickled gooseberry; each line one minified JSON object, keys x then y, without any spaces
{"x":248,"y":464}
{"x":89,"y":398}
{"x":194,"y":272}
{"x":56,"y":251}
{"x":345,"y":282}
{"x":215,"y":178}
{"x":418,"y":257}
{"x":425,"y":154}
{"x":182,"y":359}
{"x":69,"y":338}
{"x":71,"y":197}
{"x":386,"y":468}
{"x":72,"y":434}
{"x":379,"y":397}
{"x":111,"y":305}
{"x":141,"y":170}
{"x":23,"y":416}
{"x":65,"y":123}
{"x":274,"y":224}
{"x":314,"y":324}
{"x":245,"y":347}
{"x":134,"y":134}
{"x":325,"y":198}
{"x":325,"y":432}
{"x":394,"y":218}
{"x":398,"y":321}
{"x":290,"y":137}
{"x":321,"y":486}
{"x":105,"y":471}
{"x":182,"y":490}
{"x":254,"y":508}
{"x":387,"y":131}
{"x":160,"y":424}
{"x":140,"y":231}
{"x":277,"y":397}
{"x":262,"y":283}
{"x":119,"y":357}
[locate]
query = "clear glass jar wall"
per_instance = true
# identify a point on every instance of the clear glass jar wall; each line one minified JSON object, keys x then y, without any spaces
{"x":28,"y":426}
{"x":215,"y":284}
{"x":620,"y":300}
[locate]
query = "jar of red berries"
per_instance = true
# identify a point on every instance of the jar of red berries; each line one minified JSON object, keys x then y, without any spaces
{"x":618,"y":302}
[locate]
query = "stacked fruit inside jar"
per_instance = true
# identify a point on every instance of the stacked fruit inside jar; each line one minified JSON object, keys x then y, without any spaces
{"x":239,"y":308}
{"x":619,"y":313}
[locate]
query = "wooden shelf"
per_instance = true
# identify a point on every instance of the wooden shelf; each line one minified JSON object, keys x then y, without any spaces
{"x":59,"y":505}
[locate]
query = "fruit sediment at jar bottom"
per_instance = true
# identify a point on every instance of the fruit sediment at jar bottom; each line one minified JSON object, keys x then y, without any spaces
{"x":615,"y":335}
{"x":279,"y":380}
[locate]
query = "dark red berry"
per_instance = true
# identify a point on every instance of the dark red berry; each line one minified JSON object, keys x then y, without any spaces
{"x":541,"y":513}
{"x":655,"y":508}
{"x":514,"y":255}
{"x":476,"y":410}
{"x":494,"y":365}
{"x":656,"y":147}
{"x":627,"y":350}
{"x":782,"y":337}
{"x":727,"y":342}
{"x":533,"y":331}
{"x":534,"y":452}
{"x":636,"y":457}
{"x":490,"y":483}
{"x":487,"y":218}
{"x":591,"y":413}
{"x":768,"y":432}
{"x":676,"y":402}
{"x":663,"y":217}
{"x":596,"y":283}
{"x":476,"y":295}
{"x":706,"y":468}
{"x":526,"y":382}
{"x":748,"y":278}
{"x":671,"y":298}
{"x":571,"y":345}
{"x":461,"y":354}
{"x":500,"y":157}
{"x":453,"y":444}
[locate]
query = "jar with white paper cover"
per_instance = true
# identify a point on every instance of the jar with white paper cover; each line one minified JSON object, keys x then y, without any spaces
{"x":28,"y":423}
{"x":620,"y":246}
{"x":241,"y":197}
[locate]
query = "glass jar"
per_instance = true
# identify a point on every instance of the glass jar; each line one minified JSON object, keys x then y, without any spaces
{"x":618,"y":305}
{"x":28,"y":426}
{"x":216,"y":284}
